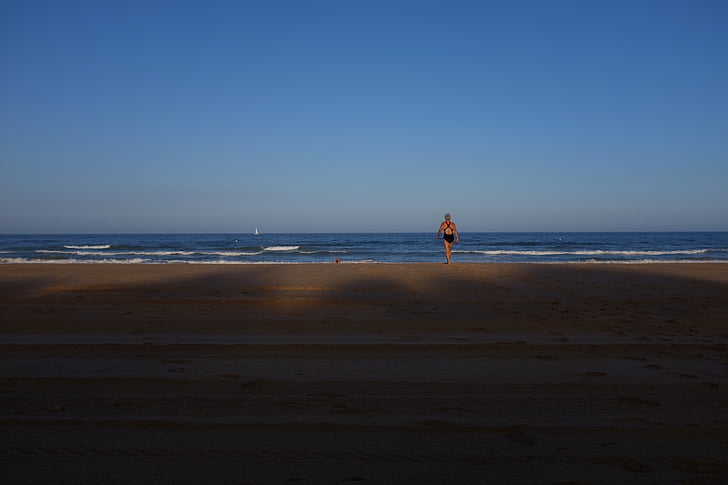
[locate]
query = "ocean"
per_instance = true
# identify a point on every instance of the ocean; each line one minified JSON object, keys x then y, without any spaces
{"x":477,"y":247}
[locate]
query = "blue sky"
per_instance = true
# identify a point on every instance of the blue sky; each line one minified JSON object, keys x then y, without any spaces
{"x":348,"y":116}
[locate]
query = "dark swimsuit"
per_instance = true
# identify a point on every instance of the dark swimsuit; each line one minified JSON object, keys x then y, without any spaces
{"x":448,"y":237}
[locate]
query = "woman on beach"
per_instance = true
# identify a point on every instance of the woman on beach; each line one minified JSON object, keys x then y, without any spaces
{"x":450,"y":235}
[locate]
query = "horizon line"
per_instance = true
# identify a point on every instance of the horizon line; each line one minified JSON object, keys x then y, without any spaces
{"x":357,"y":232}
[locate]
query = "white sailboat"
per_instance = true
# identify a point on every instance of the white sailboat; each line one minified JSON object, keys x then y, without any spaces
{"x":256,"y":233}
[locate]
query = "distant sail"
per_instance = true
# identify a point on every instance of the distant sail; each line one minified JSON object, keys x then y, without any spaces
{"x":256,"y":233}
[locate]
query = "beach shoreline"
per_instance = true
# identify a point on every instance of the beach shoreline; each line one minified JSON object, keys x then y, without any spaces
{"x":379,"y":373}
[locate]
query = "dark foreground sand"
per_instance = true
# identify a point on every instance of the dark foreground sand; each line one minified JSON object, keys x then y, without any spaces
{"x":391,"y":374}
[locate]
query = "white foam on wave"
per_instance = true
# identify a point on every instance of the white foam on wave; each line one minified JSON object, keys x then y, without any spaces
{"x":158,"y":253}
{"x":98,"y":246}
{"x":72,"y":261}
{"x":507,"y":252}
{"x":362,"y":261}
{"x":281,"y":248}
{"x":232,"y":253}
{"x":226,"y":261}
{"x":119,"y":253}
{"x":151,"y":253}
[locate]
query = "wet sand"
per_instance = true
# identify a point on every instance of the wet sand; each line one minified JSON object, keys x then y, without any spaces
{"x":364,"y":373}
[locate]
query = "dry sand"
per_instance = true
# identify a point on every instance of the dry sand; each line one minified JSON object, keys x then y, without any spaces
{"x":364,"y":373}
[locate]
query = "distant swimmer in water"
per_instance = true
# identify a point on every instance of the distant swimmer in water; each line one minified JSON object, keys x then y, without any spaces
{"x":449,"y":235}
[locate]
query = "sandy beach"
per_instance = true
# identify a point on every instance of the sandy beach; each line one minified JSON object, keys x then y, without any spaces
{"x":364,"y":373}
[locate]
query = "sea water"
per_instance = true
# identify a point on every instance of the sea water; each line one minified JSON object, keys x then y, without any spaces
{"x":475,"y":247}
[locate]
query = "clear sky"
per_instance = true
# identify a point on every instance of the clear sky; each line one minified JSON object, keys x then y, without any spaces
{"x":358,"y":116}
